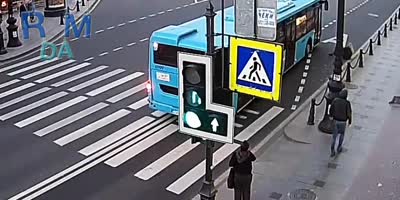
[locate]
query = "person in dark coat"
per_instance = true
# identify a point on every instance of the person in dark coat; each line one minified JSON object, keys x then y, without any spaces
{"x":341,"y":112}
{"x":241,"y":161}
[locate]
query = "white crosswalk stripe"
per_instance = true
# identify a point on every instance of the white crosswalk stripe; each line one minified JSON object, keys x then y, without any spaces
{"x":15,"y":90}
{"x":96,"y":80}
{"x":24,"y":97}
{"x":8,"y":83}
{"x":74,"y":78}
{"x":91,"y":127}
{"x":19,"y":64}
{"x":139,"y":104}
{"x":61,"y":73}
{"x":32,"y":67}
{"x":48,"y":69}
{"x":114,"y":84}
{"x":127,"y":93}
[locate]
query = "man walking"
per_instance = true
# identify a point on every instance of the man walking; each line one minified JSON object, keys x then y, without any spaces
{"x":341,"y":112}
{"x":241,"y":161}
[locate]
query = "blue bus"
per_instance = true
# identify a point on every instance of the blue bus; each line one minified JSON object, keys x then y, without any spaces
{"x":299,"y":29}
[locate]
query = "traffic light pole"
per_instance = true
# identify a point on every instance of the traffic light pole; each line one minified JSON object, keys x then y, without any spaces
{"x":208,"y":191}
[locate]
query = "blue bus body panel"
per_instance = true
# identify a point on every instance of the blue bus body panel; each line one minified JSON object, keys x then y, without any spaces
{"x":192,"y":35}
{"x":301,"y":45}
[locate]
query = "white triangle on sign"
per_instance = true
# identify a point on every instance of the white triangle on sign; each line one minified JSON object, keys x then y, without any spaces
{"x":255,"y":75}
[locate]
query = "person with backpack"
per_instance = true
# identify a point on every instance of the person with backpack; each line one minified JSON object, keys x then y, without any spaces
{"x":241,"y":161}
{"x":341,"y":112}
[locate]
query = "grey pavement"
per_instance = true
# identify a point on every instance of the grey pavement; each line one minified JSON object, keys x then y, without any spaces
{"x":52,"y":27}
{"x":300,"y":159}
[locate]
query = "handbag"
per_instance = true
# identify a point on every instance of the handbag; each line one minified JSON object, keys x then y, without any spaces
{"x":231,"y":179}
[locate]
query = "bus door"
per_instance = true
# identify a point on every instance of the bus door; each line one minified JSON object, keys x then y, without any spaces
{"x":317,"y":18}
{"x":290,"y":44}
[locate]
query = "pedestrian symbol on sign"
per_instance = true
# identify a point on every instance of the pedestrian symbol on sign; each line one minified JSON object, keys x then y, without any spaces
{"x":254,"y":71}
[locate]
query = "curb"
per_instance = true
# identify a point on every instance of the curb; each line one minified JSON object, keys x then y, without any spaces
{"x":55,"y":37}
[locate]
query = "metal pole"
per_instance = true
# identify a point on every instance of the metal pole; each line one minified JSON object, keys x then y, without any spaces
{"x":223,"y":41}
{"x":208,"y":191}
{"x":255,"y":18}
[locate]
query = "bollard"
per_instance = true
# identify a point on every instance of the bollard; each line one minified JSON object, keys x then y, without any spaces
{"x":348,"y":75}
{"x":371,"y":51}
{"x":361,"y":62}
{"x":395,"y":19}
{"x":77,"y":6}
{"x":83,"y":2}
{"x":379,"y":38}
{"x":310,"y":120}
{"x":61,"y":19}
{"x":385,"y":31}
{"x":391,"y":24}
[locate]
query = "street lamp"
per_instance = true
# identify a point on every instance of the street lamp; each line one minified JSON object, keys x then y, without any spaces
{"x":335,"y":83}
{"x":13,"y":40}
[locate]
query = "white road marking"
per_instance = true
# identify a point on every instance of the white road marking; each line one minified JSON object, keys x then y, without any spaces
{"x":170,"y":10}
{"x":138,"y":148}
{"x":166,"y":160}
{"x":158,"y":113}
{"x":237,"y":125}
{"x":9,"y":83}
{"x":194,"y":3}
{"x":111,"y":27}
{"x":139,"y":104}
{"x":48,"y":69}
{"x":121,"y":133}
{"x":323,"y":28}
{"x":61,"y":73}
{"x":24,"y":97}
{"x":17,"y":89}
{"x":144,"y":39}
{"x":89,"y":59}
{"x":114,"y":84}
{"x":127,"y":93}
{"x":80,"y":167}
{"x":33,"y":106}
{"x":334,"y":21}
{"x":177,"y":8}
{"x":241,"y":116}
{"x":373,"y":15}
{"x":300,"y":90}
{"x":308,"y":61}
{"x":69,"y":120}
{"x":293,"y":107}
{"x":99,"y":31}
{"x":303,"y":81}
{"x":326,"y":26}
{"x":132,"y":21}
{"x":186,"y":5}
{"x":305,"y":74}
{"x":160,"y":13}
{"x":152,"y":15}
{"x":297,"y":99}
{"x":330,"y":23}
{"x":131,"y":44}
{"x":71,"y":40}
{"x":103,"y":54}
{"x":222,"y":153}
{"x":117,"y":49}
{"x":251,"y":111}
{"x":32,"y":67}
{"x":19,"y":64}
{"x":306,"y":67}
{"x":121,"y":24}
{"x":142,"y":18}
{"x":91,"y":127}
{"x":50,"y":111}
{"x":80,"y":75}
{"x":95,"y":80}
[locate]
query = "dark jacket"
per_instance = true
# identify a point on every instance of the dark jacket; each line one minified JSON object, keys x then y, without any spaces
{"x":241,"y":162}
{"x":23,"y":8}
{"x":341,"y":108}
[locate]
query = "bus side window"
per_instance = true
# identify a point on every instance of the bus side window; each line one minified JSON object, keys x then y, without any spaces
{"x":310,"y":20}
{"x":281,"y":33}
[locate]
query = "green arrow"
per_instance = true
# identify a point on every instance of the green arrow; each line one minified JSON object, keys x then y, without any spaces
{"x":214,"y":124}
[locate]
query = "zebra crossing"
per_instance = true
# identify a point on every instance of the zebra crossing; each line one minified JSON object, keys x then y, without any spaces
{"x":40,"y":91}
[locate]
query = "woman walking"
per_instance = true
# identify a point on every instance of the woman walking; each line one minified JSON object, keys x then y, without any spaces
{"x":241,"y":161}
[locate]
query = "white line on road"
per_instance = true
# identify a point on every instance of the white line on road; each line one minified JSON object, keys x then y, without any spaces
{"x":121,"y":24}
{"x":308,"y":61}
{"x":19,"y":64}
{"x":297,"y":99}
{"x":237,"y":125}
{"x":88,"y":59}
{"x":293,"y":107}
{"x":111,"y":27}
{"x":30,"y":75}
{"x":186,"y":5}
{"x":139,"y":104}
{"x":241,"y":116}
{"x":307,"y":67}
{"x":326,"y":26}
{"x":300,"y":90}
{"x":17,"y":89}
{"x":9,"y":83}
{"x":305,"y":74}
{"x":144,"y":39}
{"x":71,"y":40}
{"x":330,"y":23}
{"x":166,"y":160}
{"x":142,"y":18}
{"x":32,"y":67}
{"x":82,"y":166}
{"x":117,"y":49}
{"x":142,"y":146}
{"x":103,"y":54}
{"x":373,"y":15}
{"x":24,"y":97}
{"x":251,"y":111}
{"x":121,"y":133}
{"x":95,"y":80}
{"x":152,"y":15}
{"x":131,"y":44}
{"x":127,"y":93}
{"x":177,"y":8}
{"x":160,"y":13}
{"x":61,"y":73}
{"x":91,"y":127}
{"x":303,"y":81}
{"x":114,"y":84}
{"x":222,"y":153}
{"x":33,"y":105}
{"x":50,"y":111}
{"x":132,"y":21}
{"x":158,"y":113}
{"x":170,"y":10}
{"x":99,"y":31}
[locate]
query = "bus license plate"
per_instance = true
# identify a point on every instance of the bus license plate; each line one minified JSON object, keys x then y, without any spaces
{"x":163,"y":76}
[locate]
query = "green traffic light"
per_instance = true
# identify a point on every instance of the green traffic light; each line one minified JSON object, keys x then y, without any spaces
{"x":192,"y":119}
{"x":193,"y":98}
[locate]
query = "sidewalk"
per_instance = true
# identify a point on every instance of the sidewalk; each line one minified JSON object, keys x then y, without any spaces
{"x":52,"y":27}
{"x":300,"y":160}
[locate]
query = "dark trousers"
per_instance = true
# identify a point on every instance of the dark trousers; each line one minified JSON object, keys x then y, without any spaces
{"x":242,"y":186}
{"x":339,"y":128}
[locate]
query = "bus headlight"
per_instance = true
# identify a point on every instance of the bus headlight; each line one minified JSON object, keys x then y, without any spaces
{"x":155,"y":46}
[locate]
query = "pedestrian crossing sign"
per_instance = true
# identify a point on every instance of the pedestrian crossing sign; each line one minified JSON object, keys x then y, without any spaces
{"x":256,"y":68}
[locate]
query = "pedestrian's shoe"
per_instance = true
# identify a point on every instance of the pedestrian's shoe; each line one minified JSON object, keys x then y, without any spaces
{"x":333,"y":154}
{"x":339,"y":150}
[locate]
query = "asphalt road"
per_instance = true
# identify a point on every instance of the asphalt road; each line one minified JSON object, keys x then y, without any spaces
{"x":29,"y":159}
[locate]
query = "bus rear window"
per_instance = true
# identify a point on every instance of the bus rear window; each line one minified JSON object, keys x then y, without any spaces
{"x":168,"y":55}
